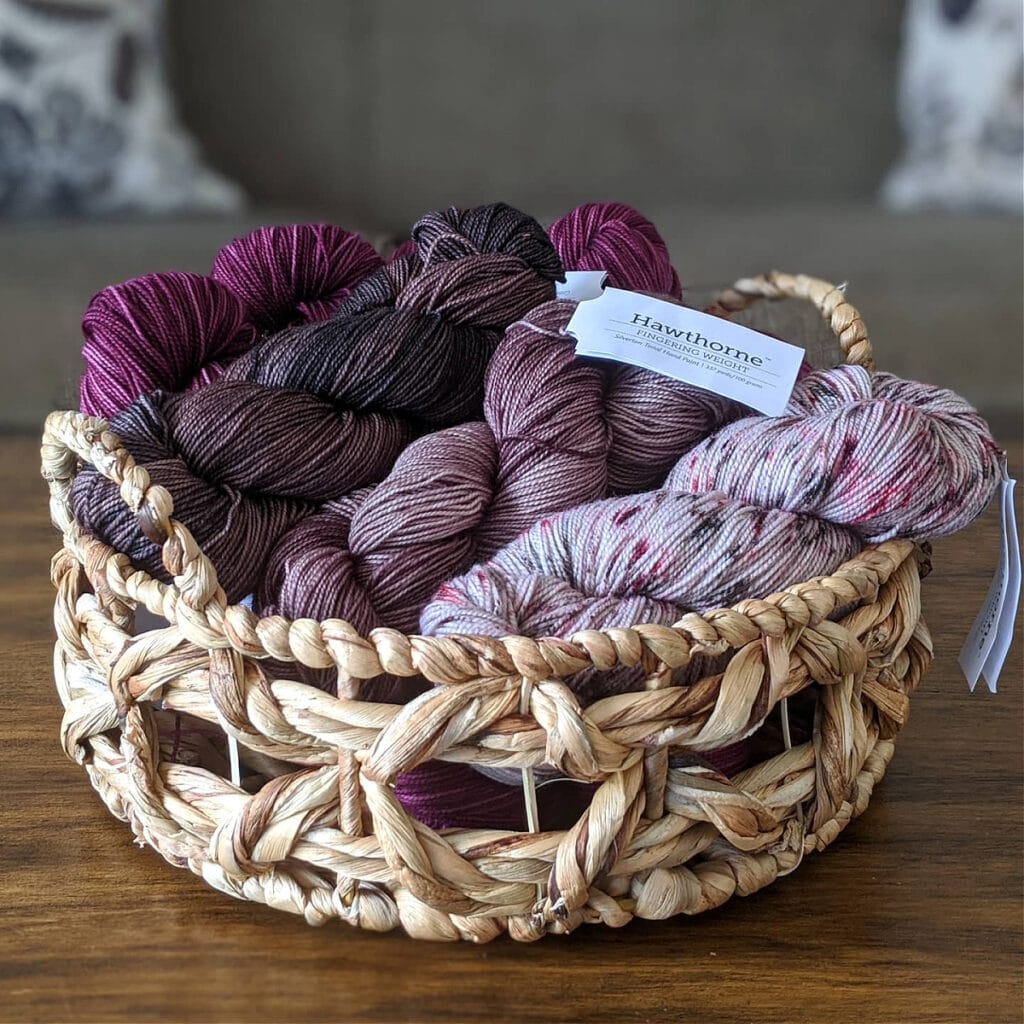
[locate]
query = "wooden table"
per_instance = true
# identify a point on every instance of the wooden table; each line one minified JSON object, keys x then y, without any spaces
{"x":913,"y":915}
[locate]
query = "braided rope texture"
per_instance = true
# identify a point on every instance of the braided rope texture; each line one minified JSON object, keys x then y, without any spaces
{"x":322,"y":834}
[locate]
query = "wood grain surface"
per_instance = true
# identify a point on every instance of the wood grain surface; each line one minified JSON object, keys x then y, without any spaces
{"x":914,"y":915}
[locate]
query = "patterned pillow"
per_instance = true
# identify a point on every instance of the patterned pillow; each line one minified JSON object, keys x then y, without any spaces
{"x":962,"y":107}
{"x":87,"y":124}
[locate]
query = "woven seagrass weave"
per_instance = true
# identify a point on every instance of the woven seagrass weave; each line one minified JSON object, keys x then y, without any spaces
{"x":819,"y":673}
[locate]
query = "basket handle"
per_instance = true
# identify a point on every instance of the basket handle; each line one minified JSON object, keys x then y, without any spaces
{"x":842,"y":317}
{"x":72,"y":438}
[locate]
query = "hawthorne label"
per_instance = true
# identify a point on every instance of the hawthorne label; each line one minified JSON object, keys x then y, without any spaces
{"x":681,"y":343}
{"x":988,"y":642}
{"x":581,"y":285}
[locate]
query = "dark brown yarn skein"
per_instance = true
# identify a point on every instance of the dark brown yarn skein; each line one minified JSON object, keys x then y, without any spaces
{"x":318,"y":410}
{"x":415,"y":337}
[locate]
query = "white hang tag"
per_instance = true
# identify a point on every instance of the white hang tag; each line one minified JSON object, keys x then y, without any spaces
{"x":693,"y":347}
{"x":581,"y":285}
{"x":988,"y":642}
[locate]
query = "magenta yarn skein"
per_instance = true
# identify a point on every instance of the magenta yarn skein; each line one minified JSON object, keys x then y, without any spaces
{"x":294,"y":274}
{"x":171,"y":331}
{"x":618,"y":239}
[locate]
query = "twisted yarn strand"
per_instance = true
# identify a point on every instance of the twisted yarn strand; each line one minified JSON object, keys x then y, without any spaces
{"x":173,"y":330}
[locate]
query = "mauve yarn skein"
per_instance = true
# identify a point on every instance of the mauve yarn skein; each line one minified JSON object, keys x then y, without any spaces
{"x":645,"y":421}
{"x":455,"y":495}
{"x":307,"y":425}
{"x":173,"y":330}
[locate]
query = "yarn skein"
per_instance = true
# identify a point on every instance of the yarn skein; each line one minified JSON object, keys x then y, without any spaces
{"x":174,"y":330}
{"x":294,"y":274}
{"x":884,"y":456}
{"x":236,"y":526}
{"x":619,"y":240}
{"x":612,"y":237}
{"x":322,"y":409}
{"x":455,"y":495}
{"x":647,"y":558}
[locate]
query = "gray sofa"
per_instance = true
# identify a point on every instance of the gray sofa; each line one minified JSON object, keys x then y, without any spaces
{"x":754,"y":135}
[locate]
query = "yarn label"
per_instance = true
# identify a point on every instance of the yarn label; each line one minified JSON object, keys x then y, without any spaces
{"x":581,"y":285}
{"x":988,"y":642}
{"x":687,"y":345}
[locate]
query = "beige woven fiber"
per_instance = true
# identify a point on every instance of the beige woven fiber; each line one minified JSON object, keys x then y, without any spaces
{"x":819,"y":673}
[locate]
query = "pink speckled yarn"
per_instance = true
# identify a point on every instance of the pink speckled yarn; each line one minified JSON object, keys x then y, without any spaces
{"x":886,"y":456}
{"x":649,"y":557}
{"x":172,"y":331}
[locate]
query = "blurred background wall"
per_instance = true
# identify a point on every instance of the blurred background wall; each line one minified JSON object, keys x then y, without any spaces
{"x":388,"y":108}
{"x":756,"y":135}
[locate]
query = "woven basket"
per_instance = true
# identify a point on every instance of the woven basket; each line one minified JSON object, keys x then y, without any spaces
{"x":826,"y":665}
